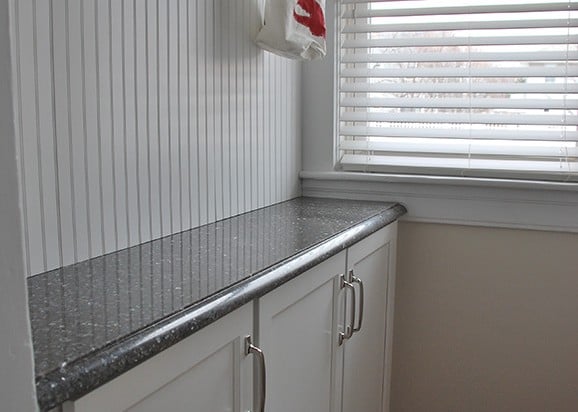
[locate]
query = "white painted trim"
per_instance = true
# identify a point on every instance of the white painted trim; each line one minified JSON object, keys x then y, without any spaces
{"x":17,"y":387}
{"x":474,"y":202}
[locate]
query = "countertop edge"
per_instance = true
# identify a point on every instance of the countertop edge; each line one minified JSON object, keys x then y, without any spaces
{"x":79,"y":377}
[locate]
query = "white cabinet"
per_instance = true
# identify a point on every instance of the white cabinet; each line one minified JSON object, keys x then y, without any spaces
{"x":208,"y":371}
{"x":297,"y":330}
{"x":309,"y":369}
{"x":367,"y":354}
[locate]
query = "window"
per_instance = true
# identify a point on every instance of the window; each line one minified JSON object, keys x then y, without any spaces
{"x":480,"y":88}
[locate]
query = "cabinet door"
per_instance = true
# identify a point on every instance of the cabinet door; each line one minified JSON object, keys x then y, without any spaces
{"x":297,"y":324}
{"x":205,"y":372}
{"x":367,"y":354}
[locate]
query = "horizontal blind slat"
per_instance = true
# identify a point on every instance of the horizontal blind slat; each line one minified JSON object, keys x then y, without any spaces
{"x":364,"y":11}
{"x":435,"y":164}
{"x":456,"y":148}
{"x":555,"y":71}
{"x":459,"y":57}
{"x":465,"y":118}
{"x":476,"y":103}
{"x":459,"y":25}
{"x":462,"y":87}
{"x":528,"y":135}
{"x":459,"y":41}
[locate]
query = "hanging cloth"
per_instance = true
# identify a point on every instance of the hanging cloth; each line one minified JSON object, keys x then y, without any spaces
{"x":294,"y":29}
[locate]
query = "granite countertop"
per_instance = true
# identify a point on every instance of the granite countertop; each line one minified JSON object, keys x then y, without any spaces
{"x":94,"y":320}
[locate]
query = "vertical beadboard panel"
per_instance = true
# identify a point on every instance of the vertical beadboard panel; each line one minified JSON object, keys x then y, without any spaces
{"x":184,"y":120}
{"x":164,"y":113}
{"x":193,"y":105}
{"x":232,"y":109}
{"x":104,"y":126}
{"x":116,"y":68}
{"x":225,"y":63}
{"x":252,"y":107}
{"x":242,"y":132}
{"x":202,"y":109}
{"x":210,"y":74}
{"x":62,"y":138}
{"x":45,"y":136}
{"x":137,"y":119}
{"x":173,"y":39}
{"x":131,"y":142}
{"x":217,"y":109}
{"x":90,"y":113}
{"x":153,"y":115}
{"x":77,"y":96}
{"x":141,"y":98}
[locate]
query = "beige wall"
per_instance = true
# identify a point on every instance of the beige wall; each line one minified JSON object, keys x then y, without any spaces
{"x":486,"y":320}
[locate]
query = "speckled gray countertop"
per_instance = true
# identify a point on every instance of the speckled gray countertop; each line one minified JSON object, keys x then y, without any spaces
{"x":96,"y":319}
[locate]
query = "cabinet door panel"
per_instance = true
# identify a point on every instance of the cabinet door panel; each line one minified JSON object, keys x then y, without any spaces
{"x":206,"y":372}
{"x":297,"y":334}
{"x":366,"y":354}
{"x":208,"y":386}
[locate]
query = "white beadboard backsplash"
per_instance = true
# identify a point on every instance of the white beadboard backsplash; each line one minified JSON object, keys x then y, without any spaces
{"x":140,"y":118}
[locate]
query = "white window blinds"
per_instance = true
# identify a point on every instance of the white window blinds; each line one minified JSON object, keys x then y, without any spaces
{"x":481,"y":88}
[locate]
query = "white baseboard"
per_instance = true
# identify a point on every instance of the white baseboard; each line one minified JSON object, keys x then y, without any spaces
{"x":522,"y":205}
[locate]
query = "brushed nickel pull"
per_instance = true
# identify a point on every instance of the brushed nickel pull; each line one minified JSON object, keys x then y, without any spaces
{"x":343,"y":336}
{"x":251,"y":349}
{"x":355,"y":279}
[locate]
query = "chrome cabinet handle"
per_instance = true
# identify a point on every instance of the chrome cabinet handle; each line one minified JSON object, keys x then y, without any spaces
{"x":251,"y":349}
{"x":355,"y":279}
{"x":343,"y":336}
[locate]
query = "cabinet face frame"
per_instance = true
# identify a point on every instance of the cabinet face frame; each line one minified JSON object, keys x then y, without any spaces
{"x":391,"y":233}
{"x":224,"y":339}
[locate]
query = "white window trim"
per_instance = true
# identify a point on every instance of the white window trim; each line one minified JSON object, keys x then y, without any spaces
{"x":464,"y":201}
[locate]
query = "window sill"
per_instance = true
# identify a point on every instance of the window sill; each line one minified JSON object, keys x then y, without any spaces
{"x":455,"y":200}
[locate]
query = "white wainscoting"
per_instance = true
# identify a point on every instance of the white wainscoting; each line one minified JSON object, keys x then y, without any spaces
{"x":136,"y":119}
